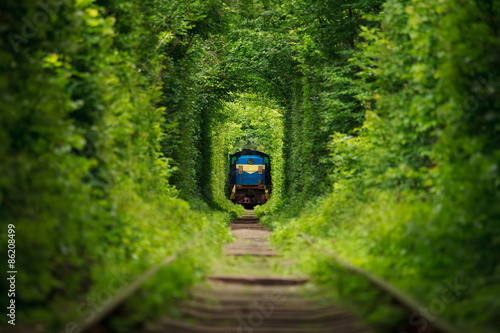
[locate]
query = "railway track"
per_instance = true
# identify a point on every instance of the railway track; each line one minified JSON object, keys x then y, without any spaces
{"x":251,"y":291}
{"x":254,"y":298}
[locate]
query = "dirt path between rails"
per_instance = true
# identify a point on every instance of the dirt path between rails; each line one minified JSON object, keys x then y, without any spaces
{"x":253,"y":290}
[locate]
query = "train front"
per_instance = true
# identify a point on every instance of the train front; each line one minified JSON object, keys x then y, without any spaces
{"x":250,"y":179}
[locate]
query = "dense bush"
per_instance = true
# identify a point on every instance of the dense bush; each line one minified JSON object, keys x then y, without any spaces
{"x":86,"y":88}
{"x":415,"y":190}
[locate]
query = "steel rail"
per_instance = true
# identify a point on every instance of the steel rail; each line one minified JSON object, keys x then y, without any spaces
{"x":130,"y":289}
{"x":397,"y":294}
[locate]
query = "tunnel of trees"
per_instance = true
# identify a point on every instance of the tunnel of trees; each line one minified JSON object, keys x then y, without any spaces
{"x":117,"y":117}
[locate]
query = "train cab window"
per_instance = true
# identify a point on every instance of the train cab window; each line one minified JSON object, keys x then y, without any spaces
{"x":233,"y":160}
{"x":266,"y":161}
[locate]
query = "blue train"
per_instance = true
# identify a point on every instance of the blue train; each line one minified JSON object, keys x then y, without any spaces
{"x":249,"y":182}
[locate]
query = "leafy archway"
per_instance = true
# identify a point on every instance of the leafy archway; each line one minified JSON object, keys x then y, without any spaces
{"x":251,"y":121}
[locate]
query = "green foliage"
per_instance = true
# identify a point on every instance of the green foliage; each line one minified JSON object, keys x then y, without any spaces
{"x":183,"y":29}
{"x":84,"y":176}
{"x":415,"y":190}
{"x":324,"y":97}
